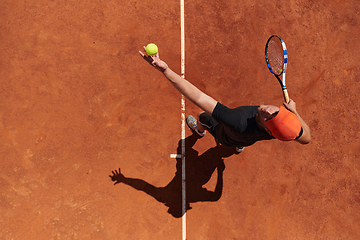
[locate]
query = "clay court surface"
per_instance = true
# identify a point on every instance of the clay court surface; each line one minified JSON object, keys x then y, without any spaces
{"x":78,"y":102}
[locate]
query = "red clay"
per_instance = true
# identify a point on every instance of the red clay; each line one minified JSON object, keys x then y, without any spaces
{"x":77,"y":102}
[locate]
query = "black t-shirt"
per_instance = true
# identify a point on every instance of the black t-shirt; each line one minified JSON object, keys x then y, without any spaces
{"x":237,"y":127}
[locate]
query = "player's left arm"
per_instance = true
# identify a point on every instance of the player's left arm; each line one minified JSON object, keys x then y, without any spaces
{"x":190,"y":91}
{"x":306,"y":136}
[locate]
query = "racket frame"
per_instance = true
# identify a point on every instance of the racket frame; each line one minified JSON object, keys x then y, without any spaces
{"x":283,"y":72}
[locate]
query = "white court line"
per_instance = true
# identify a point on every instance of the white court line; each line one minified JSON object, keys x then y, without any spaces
{"x":175,"y":155}
{"x":183,"y":179}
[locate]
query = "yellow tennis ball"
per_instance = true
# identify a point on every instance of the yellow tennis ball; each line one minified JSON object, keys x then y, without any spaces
{"x":151,"y":49}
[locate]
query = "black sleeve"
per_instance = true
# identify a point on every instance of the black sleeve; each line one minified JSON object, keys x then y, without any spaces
{"x":300,"y":134}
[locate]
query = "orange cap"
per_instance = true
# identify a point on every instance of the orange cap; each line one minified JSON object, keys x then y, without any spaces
{"x":285,"y":126}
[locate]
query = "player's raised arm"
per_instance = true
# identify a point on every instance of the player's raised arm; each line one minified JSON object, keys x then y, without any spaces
{"x":191,"y":92}
{"x":306,"y":136}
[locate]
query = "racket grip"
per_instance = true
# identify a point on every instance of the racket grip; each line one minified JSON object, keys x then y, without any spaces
{"x":286,"y":95}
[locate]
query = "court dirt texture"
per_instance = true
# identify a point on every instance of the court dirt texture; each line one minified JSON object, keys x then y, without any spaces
{"x":77,"y":102}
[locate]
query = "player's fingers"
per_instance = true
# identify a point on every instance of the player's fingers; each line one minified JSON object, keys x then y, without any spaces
{"x":287,"y":106}
{"x":290,"y":103}
{"x":154,"y":63}
{"x":147,"y":58}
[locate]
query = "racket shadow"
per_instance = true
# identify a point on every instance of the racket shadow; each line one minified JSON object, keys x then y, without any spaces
{"x":198,"y":170}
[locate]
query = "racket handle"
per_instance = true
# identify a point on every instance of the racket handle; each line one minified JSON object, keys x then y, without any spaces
{"x":286,"y":95}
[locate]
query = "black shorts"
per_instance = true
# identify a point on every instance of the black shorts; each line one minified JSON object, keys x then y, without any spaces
{"x":209,"y":123}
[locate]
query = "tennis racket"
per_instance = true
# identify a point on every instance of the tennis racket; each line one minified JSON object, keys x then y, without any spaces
{"x":276,"y":59}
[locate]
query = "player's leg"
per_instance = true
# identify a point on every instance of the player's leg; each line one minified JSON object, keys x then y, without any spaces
{"x":200,"y":127}
{"x":195,"y":126}
{"x":206,"y":122}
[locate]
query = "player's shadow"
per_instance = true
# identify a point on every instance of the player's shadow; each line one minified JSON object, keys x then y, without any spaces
{"x":198,"y":171}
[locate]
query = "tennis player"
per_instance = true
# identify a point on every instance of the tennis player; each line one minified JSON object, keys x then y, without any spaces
{"x":241,"y":126}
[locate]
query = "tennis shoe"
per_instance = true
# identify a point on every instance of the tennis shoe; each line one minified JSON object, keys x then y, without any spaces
{"x":192,"y":123}
{"x":240,"y":149}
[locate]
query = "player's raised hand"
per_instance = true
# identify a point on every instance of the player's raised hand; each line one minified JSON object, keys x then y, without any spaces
{"x":117,"y":176}
{"x":291,"y":106}
{"x":154,"y":61}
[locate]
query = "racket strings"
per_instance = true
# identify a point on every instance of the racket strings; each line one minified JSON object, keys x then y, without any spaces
{"x":276,"y":55}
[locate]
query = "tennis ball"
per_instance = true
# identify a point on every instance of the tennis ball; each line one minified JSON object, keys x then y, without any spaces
{"x":151,"y":49}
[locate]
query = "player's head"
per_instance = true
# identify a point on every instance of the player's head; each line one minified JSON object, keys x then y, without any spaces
{"x":283,"y":124}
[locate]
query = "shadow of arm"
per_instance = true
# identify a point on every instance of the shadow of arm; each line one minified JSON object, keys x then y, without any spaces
{"x":138,"y":184}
